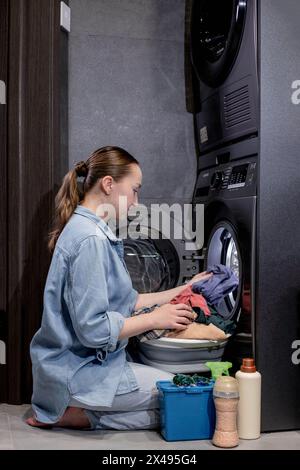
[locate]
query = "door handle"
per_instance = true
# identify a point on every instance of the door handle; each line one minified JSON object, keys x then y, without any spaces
{"x":2,"y":92}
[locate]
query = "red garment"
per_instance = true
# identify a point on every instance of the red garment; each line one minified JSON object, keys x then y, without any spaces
{"x":188,"y":297}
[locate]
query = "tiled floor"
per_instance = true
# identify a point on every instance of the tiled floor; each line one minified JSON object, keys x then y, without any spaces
{"x":16,"y":434}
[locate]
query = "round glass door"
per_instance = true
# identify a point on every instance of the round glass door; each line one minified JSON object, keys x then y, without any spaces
{"x":153,"y":265}
{"x":223,"y":248}
{"x":216,"y":31}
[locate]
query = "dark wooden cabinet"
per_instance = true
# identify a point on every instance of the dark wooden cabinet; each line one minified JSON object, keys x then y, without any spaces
{"x":34,"y":158}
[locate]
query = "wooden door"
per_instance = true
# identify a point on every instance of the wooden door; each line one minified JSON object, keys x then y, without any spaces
{"x":3,"y":195}
{"x":33,"y":144}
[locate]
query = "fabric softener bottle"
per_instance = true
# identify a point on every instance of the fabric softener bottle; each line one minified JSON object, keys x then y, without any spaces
{"x":248,"y":415}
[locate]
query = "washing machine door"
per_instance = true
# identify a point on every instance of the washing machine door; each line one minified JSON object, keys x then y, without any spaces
{"x":216,"y":32}
{"x":153,"y":264}
{"x":223,"y":248}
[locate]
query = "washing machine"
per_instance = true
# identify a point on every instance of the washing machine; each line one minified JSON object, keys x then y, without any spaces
{"x":160,"y":256}
{"x":229,"y":194}
{"x":223,"y":54}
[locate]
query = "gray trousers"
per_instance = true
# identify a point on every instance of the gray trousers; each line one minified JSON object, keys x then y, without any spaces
{"x":135,"y":410}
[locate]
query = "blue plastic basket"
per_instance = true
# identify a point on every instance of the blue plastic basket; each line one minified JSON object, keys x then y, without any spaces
{"x":186,"y":413}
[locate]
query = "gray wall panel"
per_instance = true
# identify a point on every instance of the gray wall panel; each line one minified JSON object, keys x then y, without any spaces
{"x":141,"y":19}
{"x":126,"y":88}
{"x":278,"y":320}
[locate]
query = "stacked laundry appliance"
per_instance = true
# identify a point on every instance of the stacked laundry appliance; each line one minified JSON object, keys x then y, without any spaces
{"x":244,"y":61}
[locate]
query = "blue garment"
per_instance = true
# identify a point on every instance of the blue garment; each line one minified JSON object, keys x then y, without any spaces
{"x":214,"y":289}
{"x":88,"y":294}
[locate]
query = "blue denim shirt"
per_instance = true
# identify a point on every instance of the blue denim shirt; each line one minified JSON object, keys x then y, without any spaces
{"x":88,"y":294}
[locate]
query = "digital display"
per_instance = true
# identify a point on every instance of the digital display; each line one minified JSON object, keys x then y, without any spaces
{"x":238,"y":176}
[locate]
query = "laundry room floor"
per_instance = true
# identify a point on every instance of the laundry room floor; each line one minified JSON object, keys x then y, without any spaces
{"x":15,"y":434}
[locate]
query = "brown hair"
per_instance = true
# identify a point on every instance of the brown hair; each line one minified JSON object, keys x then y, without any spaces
{"x":112,"y":161}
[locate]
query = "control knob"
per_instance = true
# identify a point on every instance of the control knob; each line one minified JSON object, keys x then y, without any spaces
{"x":217,"y":180}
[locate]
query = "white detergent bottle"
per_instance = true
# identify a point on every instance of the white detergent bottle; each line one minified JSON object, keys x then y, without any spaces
{"x":249,"y":406}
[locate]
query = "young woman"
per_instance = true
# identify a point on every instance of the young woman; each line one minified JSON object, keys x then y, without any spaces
{"x":81,"y":377}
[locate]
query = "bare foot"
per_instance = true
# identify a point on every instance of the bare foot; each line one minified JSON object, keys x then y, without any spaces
{"x":73,"y":418}
{"x":33,"y":422}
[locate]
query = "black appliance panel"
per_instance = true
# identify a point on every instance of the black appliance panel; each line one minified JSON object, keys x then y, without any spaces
{"x":223,"y":37}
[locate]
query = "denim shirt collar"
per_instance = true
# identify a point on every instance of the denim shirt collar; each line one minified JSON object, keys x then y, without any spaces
{"x":85,"y":212}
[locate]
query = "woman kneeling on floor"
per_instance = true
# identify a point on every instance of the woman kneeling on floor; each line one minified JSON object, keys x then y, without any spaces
{"x":81,"y":376}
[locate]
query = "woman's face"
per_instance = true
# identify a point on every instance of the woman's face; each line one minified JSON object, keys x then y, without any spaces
{"x":125,"y":192}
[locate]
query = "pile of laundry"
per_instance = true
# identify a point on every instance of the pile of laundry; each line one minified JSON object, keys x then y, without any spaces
{"x":204,"y":297}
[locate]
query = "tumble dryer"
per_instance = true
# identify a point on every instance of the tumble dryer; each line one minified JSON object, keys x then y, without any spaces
{"x":223,"y":54}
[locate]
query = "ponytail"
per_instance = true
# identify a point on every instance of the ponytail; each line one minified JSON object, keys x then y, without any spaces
{"x":66,"y":201}
{"x":113,"y":161}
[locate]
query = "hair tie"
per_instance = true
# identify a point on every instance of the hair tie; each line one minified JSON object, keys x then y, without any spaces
{"x":81,"y":169}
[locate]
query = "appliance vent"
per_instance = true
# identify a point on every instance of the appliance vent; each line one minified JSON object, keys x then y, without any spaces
{"x":237,"y":108}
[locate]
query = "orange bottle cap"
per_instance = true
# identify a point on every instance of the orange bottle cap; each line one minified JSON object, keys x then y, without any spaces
{"x":248,"y":365}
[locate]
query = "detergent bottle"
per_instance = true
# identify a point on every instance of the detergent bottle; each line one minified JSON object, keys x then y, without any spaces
{"x":248,"y":419}
{"x":226,"y":397}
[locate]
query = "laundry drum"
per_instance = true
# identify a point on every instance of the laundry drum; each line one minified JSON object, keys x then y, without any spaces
{"x":153,"y":264}
{"x":223,"y":248}
{"x":216,"y":37}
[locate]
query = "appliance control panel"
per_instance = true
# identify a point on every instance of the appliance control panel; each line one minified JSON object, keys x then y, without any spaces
{"x":234,"y":178}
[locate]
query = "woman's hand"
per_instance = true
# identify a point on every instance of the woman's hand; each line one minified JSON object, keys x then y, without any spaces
{"x":200,"y":277}
{"x":172,"y":316}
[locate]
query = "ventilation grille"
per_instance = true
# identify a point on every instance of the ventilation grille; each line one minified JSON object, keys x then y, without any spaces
{"x":237,"y":108}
